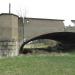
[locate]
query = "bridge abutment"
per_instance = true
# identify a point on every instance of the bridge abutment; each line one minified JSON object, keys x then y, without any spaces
{"x":8,"y":35}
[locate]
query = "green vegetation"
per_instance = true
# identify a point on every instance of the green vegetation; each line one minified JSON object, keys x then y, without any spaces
{"x":42,"y":43}
{"x":44,"y":64}
{"x":41,"y":46}
{"x":46,"y":45}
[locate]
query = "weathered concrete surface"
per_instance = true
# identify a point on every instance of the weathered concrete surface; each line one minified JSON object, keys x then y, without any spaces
{"x":9,"y":33}
{"x":34,"y":27}
{"x":20,"y":30}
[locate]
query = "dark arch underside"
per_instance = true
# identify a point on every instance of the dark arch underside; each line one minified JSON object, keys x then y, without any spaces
{"x":63,"y":37}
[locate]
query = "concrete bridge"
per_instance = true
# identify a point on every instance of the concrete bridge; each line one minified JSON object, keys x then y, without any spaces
{"x":33,"y":27}
{"x":16,"y":31}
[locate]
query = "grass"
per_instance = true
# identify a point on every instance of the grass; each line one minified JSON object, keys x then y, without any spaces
{"x":38,"y":65}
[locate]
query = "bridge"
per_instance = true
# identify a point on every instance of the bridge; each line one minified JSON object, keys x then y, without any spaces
{"x":33,"y":27}
{"x":17,"y":31}
{"x":53,"y":29}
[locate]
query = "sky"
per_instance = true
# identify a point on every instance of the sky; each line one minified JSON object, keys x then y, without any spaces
{"x":50,"y":9}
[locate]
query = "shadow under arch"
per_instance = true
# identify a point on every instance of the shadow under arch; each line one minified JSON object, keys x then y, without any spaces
{"x":63,"y":37}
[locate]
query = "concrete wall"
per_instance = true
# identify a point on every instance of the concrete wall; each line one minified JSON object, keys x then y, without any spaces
{"x":8,"y":34}
{"x":34,"y":27}
{"x":5,"y":27}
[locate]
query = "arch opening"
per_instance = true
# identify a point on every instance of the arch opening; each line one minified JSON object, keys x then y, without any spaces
{"x":64,"y":42}
{"x":42,"y":46}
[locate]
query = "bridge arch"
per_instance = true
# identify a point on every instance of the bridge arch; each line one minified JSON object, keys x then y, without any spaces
{"x":63,"y":37}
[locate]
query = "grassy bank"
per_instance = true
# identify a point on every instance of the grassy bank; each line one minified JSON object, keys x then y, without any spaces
{"x":38,"y":65}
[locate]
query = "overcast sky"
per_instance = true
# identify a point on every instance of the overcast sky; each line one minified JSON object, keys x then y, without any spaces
{"x":52,"y":9}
